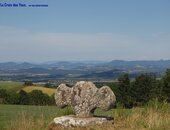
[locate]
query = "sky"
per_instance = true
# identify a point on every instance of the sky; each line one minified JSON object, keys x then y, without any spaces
{"x":81,"y":30}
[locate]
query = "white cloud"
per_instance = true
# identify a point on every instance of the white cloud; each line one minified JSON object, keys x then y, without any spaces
{"x":21,"y":45}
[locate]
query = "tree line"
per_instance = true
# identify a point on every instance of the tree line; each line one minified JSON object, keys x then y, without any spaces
{"x":35,"y":97}
{"x":129,"y":93}
{"x":142,"y":89}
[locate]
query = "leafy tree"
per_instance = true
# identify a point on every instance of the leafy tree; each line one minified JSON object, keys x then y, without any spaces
{"x":113,"y":86}
{"x":3,"y":95}
{"x":48,"y":85}
{"x":13,"y":98}
{"x":37,"y":97}
{"x":23,"y":98}
{"x":156,"y":90}
{"x":166,"y":85}
{"x":142,"y":88}
{"x":124,"y":91}
{"x":28,"y":83}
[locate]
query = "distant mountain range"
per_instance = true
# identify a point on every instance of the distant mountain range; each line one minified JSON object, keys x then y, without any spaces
{"x":77,"y":70}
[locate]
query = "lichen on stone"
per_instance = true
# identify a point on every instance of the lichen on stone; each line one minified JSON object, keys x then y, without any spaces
{"x":84,"y":97}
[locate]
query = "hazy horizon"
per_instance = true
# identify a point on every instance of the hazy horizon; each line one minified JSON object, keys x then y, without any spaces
{"x":80,"y":61}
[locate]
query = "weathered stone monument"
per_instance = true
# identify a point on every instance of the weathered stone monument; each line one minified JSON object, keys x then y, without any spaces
{"x":84,"y":97}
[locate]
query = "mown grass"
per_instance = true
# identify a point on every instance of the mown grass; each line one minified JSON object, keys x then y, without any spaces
{"x":11,"y":86}
{"x":154,"y":116}
{"x":48,"y":91}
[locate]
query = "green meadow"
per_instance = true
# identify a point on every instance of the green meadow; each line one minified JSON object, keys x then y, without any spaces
{"x":11,"y":85}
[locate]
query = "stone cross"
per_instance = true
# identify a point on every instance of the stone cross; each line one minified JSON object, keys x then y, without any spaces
{"x":84,"y":97}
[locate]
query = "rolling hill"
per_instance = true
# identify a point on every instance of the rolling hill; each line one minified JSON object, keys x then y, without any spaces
{"x":52,"y":71}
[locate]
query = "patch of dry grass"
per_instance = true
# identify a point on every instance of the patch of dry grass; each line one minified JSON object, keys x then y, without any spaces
{"x":27,"y":122}
{"x":151,"y":117}
{"x":49,"y":91}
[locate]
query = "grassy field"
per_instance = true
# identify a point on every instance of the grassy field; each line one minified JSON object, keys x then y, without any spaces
{"x":10,"y":85}
{"x":48,"y":91}
{"x":17,"y":116}
{"x":155,"y":116}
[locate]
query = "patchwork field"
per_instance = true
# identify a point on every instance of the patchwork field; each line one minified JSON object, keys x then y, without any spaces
{"x":48,"y":91}
{"x":155,"y":116}
{"x":12,"y":86}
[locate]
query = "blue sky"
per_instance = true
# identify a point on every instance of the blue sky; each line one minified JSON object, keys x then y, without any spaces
{"x":85,"y":30}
